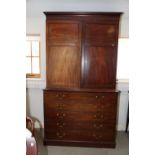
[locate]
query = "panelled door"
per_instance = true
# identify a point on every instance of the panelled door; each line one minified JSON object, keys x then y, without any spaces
{"x":99,"y":55}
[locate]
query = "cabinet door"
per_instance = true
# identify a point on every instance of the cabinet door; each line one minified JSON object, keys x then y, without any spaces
{"x":99,"y":56}
{"x":63,"y":54}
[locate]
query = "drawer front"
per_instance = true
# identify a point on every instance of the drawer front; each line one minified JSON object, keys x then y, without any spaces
{"x":74,"y":135}
{"x":83,"y":102}
{"x":78,"y":125}
{"x":68,"y":116}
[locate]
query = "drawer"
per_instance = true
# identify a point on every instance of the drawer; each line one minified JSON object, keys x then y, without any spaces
{"x":75,"y":135}
{"x":62,"y":95}
{"x":69,"y":116}
{"x":85,"y":102}
{"x":78,"y":125}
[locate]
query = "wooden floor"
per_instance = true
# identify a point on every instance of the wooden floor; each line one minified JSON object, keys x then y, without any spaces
{"x":122,"y":147}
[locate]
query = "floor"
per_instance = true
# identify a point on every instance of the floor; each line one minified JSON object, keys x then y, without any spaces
{"x":122,"y":147}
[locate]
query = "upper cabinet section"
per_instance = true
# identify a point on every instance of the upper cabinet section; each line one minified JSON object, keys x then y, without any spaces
{"x":81,"y":49}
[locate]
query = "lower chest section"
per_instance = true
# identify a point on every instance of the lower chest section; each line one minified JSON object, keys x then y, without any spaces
{"x":80,"y":118}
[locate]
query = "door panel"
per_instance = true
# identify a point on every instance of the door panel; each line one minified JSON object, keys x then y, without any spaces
{"x":99,"y":67}
{"x":63,"y":54}
{"x":64,"y":67}
{"x":99,"y":33}
{"x":63,"y":33}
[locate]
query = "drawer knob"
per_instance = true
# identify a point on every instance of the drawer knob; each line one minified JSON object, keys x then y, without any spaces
{"x":112,"y":45}
{"x":98,"y":126}
{"x":57,"y":95}
{"x":61,"y":135}
{"x":102,"y":96}
{"x":95,"y":116}
{"x":96,"y":97}
{"x":63,"y":95}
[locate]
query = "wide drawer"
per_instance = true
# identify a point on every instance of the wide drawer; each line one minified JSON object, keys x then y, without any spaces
{"x":105,"y":135}
{"x":70,"y":116}
{"x":85,"y":102}
{"x":92,"y":125}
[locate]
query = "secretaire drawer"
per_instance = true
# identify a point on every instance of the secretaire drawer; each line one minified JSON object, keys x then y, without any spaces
{"x":86,"y":102}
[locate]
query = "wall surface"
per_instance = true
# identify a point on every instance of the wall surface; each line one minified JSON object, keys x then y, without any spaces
{"x":35,"y":24}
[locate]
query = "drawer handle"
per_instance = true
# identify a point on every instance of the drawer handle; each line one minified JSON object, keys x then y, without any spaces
{"x":98,"y":116}
{"x":60,"y":105}
{"x":63,"y":95}
{"x":57,"y":95}
{"x":61,"y":115}
{"x":102,"y":96}
{"x":97,"y":136}
{"x":98,"y":126}
{"x":61,"y":125}
{"x":61,"y":135}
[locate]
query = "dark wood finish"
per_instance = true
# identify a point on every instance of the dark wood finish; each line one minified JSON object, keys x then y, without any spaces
{"x":99,"y":33}
{"x":80,"y":101}
{"x":77,"y":116}
{"x":63,"y":54}
{"x":99,"y":69}
{"x":66,"y":73}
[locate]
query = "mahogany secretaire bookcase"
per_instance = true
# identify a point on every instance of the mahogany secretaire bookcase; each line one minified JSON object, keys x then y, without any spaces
{"x":80,"y":99}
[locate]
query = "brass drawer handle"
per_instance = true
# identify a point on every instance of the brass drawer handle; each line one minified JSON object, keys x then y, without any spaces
{"x":61,"y":135}
{"x":57,"y":95}
{"x":98,"y":126}
{"x":61,"y":125}
{"x":63,"y":95}
{"x":61,"y":115}
{"x":97,"y":136}
{"x":60,"y":105}
{"x":98,"y":116}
